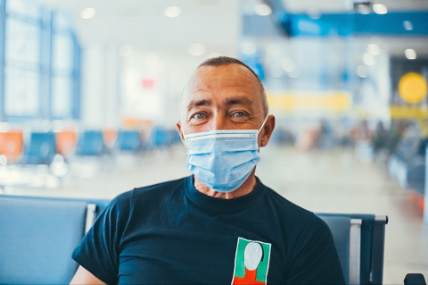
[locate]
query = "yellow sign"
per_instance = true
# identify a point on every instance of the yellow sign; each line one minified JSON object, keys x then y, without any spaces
{"x":331,"y":101}
{"x":412,"y":88}
{"x":403,"y":112}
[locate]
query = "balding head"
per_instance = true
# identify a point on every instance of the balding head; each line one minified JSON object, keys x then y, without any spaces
{"x":225,"y":60}
{"x":223,"y":93}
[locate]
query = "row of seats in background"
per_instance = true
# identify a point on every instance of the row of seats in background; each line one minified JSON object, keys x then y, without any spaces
{"x":44,"y":158}
{"x":407,"y":165}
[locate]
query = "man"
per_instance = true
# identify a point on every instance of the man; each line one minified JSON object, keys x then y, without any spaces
{"x":221,"y":225}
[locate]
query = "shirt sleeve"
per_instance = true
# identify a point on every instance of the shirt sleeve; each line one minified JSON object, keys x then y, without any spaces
{"x":98,"y":252}
{"x":315,"y":259}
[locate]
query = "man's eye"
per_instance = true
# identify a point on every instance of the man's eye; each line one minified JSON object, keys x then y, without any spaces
{"x":239,"y":114}
{"x":199,"y":116}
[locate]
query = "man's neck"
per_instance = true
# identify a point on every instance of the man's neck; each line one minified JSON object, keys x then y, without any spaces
{"x":246,"y":188}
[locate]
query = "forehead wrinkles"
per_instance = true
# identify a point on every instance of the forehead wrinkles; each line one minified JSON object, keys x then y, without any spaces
{"x":208,"y":79}
{"x":218,"y":78}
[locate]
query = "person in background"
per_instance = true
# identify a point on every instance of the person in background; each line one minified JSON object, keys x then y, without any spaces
{"x":221,"y":224}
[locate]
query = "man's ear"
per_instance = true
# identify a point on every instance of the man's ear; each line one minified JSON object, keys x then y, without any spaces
{"x":267,"y":130}
{"x":180,"y":131}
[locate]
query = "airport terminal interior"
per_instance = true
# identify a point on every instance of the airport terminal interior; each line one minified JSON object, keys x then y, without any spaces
{"x":90,"y":96}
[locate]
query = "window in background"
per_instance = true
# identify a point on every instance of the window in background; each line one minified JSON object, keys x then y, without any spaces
{"x":23,"y":9}
{"x":21,"y":93}
{"x":40,"y":77}
{"x":2,"y":47}
{"x":22,"y":59}
{"x":64,"y":72}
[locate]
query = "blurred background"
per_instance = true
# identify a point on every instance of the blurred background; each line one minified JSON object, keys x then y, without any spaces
{"x":89,"y":95}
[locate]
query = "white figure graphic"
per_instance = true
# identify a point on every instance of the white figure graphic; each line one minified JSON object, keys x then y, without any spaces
{"x":253,"y":254}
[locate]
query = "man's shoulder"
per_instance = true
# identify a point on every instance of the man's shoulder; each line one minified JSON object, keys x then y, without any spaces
{"x":295,"y":219}
{"x":289,"y":209}
{"x":163,"y":186}
{"x":154,"y":190}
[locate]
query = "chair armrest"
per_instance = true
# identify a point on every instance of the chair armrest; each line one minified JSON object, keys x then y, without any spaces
{"x":414,"y":279}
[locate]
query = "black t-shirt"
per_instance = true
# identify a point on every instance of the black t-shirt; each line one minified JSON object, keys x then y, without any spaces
{"x":172,"y":233}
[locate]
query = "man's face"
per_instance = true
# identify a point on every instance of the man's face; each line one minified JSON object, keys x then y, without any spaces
{"x":221,"y":98}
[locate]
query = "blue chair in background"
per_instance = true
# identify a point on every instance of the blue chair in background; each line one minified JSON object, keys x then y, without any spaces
{"x":158,"y":138}
{"x":360,"y":242}
{"x":38,"y":166}
{"x":37,"y":239}
{"x":91,"y":155}
{"x":129,"y":141}
{"x":39,"y":149}
{"x":163,"y":138}
{"x":175,"y":137}
{"x":128,"y":148}
{"x":39,"y":234}
{"x":340,"y":228}
{"x":91,"y":143}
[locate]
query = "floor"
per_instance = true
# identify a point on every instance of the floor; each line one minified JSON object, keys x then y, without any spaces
{"x":319,"y":180}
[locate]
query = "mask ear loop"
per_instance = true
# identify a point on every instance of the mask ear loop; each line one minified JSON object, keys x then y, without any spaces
{"x":264,"y":122}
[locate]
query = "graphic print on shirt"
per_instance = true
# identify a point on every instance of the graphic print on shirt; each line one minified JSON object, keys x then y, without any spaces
{"x":251,"y":262}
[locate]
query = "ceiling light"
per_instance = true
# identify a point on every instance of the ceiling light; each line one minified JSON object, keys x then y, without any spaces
{"x":368,"y":59}
{"x":373,"y":49}
{"x":214,"y":54}
{"x":380,"y":9}
{"x":363,"y":9}
{"x":125,"y":50}
{"x":410,"y":54}
{"x":263,"y":10}
{"x":274,"y":50}
{"x":314,"y":14}
{"x":408,"y":26}
{"x":287,"y":65}
{"x":152,"y":59}
{"x":361,"y":71}
{"x":294,"y":74}
{"x":88,"y":13}
{"x":172,"y":11}
{"x":248,"y":48}
{"x":197,"y":49}
{"x":276,"y":71}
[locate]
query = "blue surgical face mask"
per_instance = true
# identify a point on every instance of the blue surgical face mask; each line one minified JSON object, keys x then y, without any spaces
{"x":223,"y":159}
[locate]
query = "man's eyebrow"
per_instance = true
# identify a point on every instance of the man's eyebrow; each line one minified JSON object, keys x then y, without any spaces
{"x":198,"y":103}
{"x":240,"y":100}
{"x":230,"y":102}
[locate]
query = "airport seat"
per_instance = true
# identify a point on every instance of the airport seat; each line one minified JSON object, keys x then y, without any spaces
{"x":341,"y":230}
{"x":37,"y":239}
{"x":11,"y":145}
{"x":157,"y":137}
{"x":129,"y":141}
{"x":66,"y":142}
{"x":175,"y":137}
{"x":162,"y":137}
{"x":39,"y":149}
{"x":359,"y":240}
{"x":110,"y":136}
{"x":414,"y":279}
{"x":100,"y":203}
{"x":39,"y":235}
{"x":91,"y":143}
{"x":91,"y":155}
{"x":407,"y":164}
